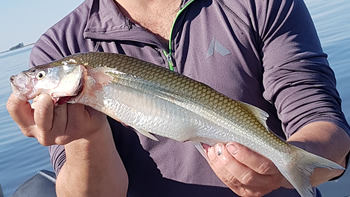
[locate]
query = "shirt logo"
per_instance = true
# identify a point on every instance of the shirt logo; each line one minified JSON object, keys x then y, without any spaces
{"x":218,"y":47}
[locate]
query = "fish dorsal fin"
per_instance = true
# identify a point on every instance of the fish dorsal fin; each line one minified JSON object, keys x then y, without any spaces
{"x":260,"y":114}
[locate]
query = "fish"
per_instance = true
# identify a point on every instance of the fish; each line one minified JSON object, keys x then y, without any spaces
{"x":156,"y":101}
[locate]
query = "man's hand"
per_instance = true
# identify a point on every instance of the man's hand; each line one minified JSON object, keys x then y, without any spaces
{"x":93,"y":166}
{"x":244,"y":171}
{"x":248,"y":173}
{"x":55,"y":125}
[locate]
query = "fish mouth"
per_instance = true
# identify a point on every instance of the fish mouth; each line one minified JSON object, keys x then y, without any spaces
{"x":21,"y":86}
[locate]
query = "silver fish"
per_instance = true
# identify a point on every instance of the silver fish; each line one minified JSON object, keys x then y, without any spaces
{"x":155,"y":100}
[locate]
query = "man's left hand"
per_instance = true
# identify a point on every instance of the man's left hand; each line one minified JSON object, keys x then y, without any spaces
{"x":244,"y":171}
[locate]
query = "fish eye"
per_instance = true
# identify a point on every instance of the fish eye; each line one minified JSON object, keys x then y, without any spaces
{"x":41,"y":75}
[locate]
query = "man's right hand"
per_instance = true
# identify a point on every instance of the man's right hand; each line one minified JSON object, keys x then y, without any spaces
{"x":93,"y":166}
{"x":55,"y":125}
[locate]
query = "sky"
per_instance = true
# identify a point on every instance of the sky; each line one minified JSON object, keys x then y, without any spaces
{"x":26,"y":20}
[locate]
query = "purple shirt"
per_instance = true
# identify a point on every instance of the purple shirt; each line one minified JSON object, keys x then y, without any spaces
{"x":265,"y":53}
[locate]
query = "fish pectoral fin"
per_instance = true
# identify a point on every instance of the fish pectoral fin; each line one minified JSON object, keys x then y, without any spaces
{"x":147,"y":134}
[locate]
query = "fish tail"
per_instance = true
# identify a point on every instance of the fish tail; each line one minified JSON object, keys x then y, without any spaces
{"x":298,"y":172}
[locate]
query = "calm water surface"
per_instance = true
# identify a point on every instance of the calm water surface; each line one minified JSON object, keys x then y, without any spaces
{"x":21,"y":157}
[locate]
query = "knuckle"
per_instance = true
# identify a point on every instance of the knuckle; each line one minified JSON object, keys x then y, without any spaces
{"x":257,"y":194}
{"x":27,"y":132}
{"x":250,"y":193}
{"x":247,"y":192}
{"x":229,"y":179}
{"x":9,"y":106}
{"x":247,"y":178}
{"x":264,"y":167}
{"x":240,"y":191}
{"x":44,"y":139}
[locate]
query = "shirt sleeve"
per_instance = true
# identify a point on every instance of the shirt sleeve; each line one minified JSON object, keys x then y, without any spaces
{"x":57,"y":157}
{"x":297,"y":78}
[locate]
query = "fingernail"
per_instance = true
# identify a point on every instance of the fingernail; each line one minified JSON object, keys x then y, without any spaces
{"x":32,"y":105}
{"x":218,"y":149}
{"x":232,"y":149}
{"x":35,"y":98}
{"x":211,"y":154}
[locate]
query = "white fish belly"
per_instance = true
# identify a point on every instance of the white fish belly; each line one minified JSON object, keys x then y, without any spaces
{"x":148,"y":112}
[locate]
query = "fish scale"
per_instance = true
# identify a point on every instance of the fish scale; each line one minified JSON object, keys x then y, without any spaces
{"x":155,"y":100}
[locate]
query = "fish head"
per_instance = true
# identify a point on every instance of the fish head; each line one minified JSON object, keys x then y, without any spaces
{"x":58,"y":80}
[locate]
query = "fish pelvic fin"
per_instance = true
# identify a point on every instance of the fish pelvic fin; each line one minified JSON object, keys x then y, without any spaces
{"x":299,"y":172}
{"x":147,"y":134}
{"x":200,"y":148}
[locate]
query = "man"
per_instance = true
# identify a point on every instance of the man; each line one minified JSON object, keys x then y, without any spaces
{"x":265,"y":53}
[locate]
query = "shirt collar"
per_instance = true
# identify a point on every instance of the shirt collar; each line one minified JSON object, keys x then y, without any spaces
{"x":104,"y":18}
{"x":105,"y":21}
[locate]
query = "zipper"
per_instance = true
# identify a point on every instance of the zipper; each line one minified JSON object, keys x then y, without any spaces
{"x":168,"y":54}
{"x":169,"y":59}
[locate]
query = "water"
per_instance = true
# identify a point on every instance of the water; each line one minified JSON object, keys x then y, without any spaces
{"x":332,"y":23}
{"x":22,"y":157}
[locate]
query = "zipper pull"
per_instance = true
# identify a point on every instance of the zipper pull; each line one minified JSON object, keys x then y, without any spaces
{"x":170,"y":61}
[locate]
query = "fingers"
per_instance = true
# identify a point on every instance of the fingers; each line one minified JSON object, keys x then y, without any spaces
{"x":22,"y":113}
{"x":55,"y":124}
{"x":239,"y":173}
{"x":246,"y":172}
{"x":38,"y":123}
{"x":58,"y":124}
{"x":46,"y":117}
{"x":43,"y":115}
{"x":252,"y":159}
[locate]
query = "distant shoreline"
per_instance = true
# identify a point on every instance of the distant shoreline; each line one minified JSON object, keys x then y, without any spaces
{"x":17,"y":48}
